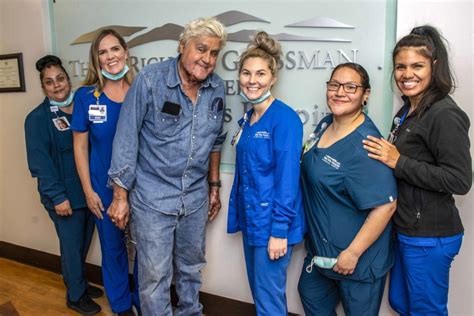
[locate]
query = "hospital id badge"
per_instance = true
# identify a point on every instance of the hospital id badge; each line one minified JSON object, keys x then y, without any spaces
{"x":97,"y":113}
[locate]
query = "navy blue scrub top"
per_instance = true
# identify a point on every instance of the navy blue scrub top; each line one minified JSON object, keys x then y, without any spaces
{"x":341,"y":185}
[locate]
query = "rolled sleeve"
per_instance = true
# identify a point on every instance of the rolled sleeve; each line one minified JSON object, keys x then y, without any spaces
{"x":125,"y":146}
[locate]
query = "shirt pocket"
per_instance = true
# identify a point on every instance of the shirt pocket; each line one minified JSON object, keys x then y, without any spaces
{"x":167,"y":125}
{"x":215,"y":115}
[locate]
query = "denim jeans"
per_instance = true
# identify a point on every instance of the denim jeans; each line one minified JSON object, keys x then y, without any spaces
{"x":169,"y":246}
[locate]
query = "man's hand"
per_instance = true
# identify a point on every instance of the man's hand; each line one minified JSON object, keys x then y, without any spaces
{"x":214,"y":203}
{"x":119,"y":210}
{"x":63,"y":209}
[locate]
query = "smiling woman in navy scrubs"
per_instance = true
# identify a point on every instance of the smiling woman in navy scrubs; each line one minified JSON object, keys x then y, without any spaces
{"x":51,"y":160}
{"x":265,"y":202}
{"x":349,"y":199}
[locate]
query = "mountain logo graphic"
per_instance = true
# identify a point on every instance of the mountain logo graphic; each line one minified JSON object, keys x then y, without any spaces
{"x":171,"y":31}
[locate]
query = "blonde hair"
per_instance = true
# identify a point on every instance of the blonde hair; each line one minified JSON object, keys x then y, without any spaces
{"x":265,"y":47}
{"x":203,"y":27}
{"x":94,"y":76}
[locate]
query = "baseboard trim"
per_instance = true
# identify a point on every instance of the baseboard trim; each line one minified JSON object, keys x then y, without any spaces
{"x":213,"y":304}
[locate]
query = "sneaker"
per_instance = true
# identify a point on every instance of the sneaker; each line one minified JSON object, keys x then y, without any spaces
{"x":94,"y":292}
{"x":128,"y":312}
{"x":84,"y":306}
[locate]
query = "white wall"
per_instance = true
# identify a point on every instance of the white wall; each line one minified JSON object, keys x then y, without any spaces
{"x":24,"y":28}
{"x":23,"y":221}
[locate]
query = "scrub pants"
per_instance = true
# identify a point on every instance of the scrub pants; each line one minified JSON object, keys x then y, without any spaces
{"x":267,"y":279}
{"x":419,"y":279}
{"x":75,"y":234}
{"x":320,"y":294}
{"x":115,"y":266}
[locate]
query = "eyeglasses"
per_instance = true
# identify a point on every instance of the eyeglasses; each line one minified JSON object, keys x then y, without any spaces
{"x":348,"y":87}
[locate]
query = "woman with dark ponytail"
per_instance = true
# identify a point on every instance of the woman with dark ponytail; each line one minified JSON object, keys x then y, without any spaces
{"x":428,"y":149}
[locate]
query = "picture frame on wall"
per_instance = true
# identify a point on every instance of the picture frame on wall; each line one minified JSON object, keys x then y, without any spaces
{"x":12,"y":76}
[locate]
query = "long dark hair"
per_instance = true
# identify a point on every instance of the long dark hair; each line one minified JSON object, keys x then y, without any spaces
{"x":429,"y":43}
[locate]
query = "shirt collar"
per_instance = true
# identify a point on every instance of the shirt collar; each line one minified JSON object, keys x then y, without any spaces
{"x":174,"y":79}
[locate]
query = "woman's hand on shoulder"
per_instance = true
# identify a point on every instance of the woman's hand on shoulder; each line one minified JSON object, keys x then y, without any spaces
{"x":94,"y":203}
{"x":63,"y":208}
{"x":277,"y":247}
{"x":381,"y":150}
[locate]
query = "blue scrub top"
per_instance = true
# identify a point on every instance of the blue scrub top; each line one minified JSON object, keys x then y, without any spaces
{"x":266,"y":196}
{"x":341,"y":185}
{"x":101,"y":136}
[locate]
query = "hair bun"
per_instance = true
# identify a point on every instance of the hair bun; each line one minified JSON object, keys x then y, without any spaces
{"x":47,"y":60}
{"x":263,"y":41}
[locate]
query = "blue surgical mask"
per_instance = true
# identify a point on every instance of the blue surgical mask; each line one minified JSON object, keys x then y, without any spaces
{"x":64,"y":103}
{"x":265,"y":96}
{"x":322,"y":262}
{"x":115,"y":77}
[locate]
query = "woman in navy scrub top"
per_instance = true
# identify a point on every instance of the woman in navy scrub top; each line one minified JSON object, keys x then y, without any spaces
{"x":265,"y":202}
{"x":51,"y":160}
{"x":96,"y":114}
{"x":349,"y":199}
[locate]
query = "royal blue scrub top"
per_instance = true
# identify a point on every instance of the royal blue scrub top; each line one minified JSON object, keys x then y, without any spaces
{"x":101,"y":136}
{"x":266,"y":196}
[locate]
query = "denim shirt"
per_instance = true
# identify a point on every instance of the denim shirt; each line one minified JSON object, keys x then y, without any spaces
{"x":162,"y":145}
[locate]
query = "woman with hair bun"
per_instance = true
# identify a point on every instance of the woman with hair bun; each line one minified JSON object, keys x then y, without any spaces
{"x":428,"y":150}
{"x":51,"y":160}
{"x":265,"y":202}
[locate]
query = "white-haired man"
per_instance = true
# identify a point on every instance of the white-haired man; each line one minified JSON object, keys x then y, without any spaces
{"x":165,"y":163}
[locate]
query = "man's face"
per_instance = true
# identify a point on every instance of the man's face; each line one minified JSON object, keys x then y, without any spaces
{"x":198,"y":58}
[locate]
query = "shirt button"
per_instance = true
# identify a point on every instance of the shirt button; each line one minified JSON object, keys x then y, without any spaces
{"x":175,"y":119}
{"x":195,"y":115}
{"x":162,"y":120}
{"x":185,"y":175}
{"x":325,"y":240}
{"x":194,"y":137}
{"x":215,"y":116}
{"x":191,"y":158}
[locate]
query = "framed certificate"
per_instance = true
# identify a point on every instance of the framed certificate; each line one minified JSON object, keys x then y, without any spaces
{"x":12,"y":77}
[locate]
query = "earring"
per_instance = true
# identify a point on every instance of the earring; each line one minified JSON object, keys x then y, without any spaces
{"x":364,"y":103}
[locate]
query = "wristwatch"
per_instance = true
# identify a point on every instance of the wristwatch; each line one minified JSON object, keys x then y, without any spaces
{"x":215,"y":184}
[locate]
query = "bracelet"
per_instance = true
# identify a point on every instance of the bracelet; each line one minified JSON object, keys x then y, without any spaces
{"x":215,"y":184}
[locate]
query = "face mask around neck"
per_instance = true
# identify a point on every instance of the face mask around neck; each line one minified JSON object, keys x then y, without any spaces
{"x":115,"y":77}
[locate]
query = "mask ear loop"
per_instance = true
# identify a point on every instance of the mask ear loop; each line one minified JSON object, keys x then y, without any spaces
{"x":309,"y":267}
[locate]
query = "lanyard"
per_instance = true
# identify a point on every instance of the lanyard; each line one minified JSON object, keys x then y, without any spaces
{"x":392,"y":137}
